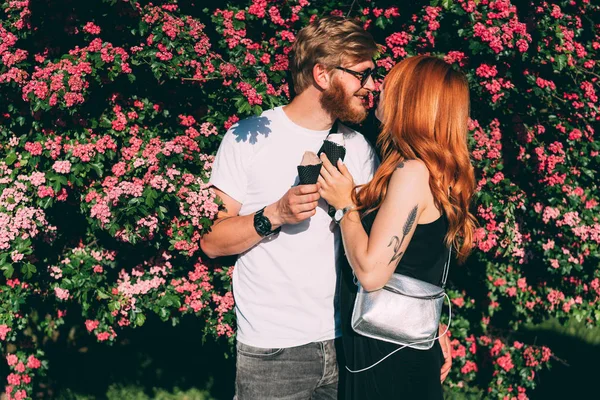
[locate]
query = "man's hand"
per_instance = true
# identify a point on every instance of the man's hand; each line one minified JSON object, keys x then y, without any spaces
{"x":446,"y":350}
{"x":298,"y":204}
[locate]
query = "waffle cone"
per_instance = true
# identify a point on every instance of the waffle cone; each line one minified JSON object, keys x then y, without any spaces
{"x":333,"y":151}
{"x":309,"y":174}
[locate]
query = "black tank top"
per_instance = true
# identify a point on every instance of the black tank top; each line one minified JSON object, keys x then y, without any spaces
{"x":426,"y":253}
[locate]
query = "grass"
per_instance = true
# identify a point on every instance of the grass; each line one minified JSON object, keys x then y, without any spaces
{"x":132,"y":392}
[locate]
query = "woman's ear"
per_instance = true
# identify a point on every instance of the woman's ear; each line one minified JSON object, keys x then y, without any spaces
{"x":321,"y":76}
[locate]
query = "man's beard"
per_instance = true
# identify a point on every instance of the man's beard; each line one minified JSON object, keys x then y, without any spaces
{"x":336,"y":102}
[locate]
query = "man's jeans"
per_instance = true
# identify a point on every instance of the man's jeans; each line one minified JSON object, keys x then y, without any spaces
{"x":307,"y":372}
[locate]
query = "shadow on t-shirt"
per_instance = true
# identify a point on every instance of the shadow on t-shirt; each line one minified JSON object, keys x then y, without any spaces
{"x":248,"y":129}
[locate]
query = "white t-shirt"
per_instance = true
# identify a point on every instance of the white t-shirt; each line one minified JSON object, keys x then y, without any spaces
{"x":285,"y":286}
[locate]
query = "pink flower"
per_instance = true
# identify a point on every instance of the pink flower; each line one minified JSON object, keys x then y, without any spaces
{"x":4,"y":329}
{"x":253,"y":97}
{"x":231,"y":121}
{"x":258,"y":8}
{"x":505,"y":362}
{"x":20,"y":395}
{"x":518,"y":345}
{"x":37,"y":178}
{"x":33,"y":363}
{"x":486,"y":71}
{"x":545,"y":83}
{"x":555,"y":296}
{"x":469,"y":366}
{"x":34,"y":148}
{"x":45,"y":191}
{"x":62,"y":167}
{"x":575,"y":134}
{"x":187,"y":120}
{"x":498,"y":346}
{"x":91,"y":325}
{"x":62,"y":294}
{"x":550,"y":213}
{"x":92,"y":28}
{"x":556,"y":13}
{"x":12,"y":359}
{"x":16,"y":256}
{"x":119,"y":168}
{"x":497,"y":178}
{"x":101,"y":212}
{"x":522,"y":45}
{"x":208,"y":129}
{"x":14,"y":379}
{"x":459,"y":302}
{"x":265,"y":58}
{"x":455,"y":56}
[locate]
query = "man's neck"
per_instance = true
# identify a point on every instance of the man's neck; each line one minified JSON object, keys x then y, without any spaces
{"x":305,"y":110}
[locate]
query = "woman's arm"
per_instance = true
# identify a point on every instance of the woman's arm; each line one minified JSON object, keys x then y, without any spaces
{"x":374,"y":258}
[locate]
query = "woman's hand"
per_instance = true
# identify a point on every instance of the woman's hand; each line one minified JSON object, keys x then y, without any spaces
{"x":446,"y":350}
{"x":336,"y":186}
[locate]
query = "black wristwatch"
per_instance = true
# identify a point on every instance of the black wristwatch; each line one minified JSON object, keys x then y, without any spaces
{"x":263,"y":225}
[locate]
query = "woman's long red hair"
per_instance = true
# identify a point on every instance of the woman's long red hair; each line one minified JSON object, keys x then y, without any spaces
{"x":425,"y":115}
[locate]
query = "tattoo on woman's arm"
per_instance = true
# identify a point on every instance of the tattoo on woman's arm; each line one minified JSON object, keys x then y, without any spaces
{"x":410,"y":221}
{"x":400,"y":165}
{"x":397,"y":252}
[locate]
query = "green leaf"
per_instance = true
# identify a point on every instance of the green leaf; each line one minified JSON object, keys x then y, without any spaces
{"x":140,"y":319}
{"x":237,"y":24}
{"x":149,"y":201}
{"x":446,"y":4}
{"x":244,"y":108}
{"x":114,"y":305}
{"x":11,"y":158}
{"x":561,"y":62}
{"x":8,"y":271}
{"x":98,"y":168}
{"x":28,"y":270}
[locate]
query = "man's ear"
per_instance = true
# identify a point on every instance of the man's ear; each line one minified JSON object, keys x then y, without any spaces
{"x":321,"y":76}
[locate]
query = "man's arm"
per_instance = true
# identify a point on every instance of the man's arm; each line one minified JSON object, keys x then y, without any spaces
{"x":233,"y":234}
{"x":230,"y":233}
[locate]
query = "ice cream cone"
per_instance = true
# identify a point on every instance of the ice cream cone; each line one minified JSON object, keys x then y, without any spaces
{"x":333,"y":151}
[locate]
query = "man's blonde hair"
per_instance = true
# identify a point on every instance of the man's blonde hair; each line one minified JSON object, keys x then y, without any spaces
{"x":330,"y":41}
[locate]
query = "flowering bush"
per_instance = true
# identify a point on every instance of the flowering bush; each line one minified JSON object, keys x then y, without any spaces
{"x":111,"y":114}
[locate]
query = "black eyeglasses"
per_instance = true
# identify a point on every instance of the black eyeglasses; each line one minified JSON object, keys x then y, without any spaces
{"x":362,"y":76}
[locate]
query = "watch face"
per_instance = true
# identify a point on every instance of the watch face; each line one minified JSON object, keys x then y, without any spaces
{"x":262,"y":225}
{"x":338,"y":215}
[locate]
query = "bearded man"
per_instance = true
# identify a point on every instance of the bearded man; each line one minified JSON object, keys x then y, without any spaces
{"x":286,"y":275}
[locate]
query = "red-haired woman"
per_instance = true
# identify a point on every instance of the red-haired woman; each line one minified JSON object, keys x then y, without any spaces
{"x":406,"y":218}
